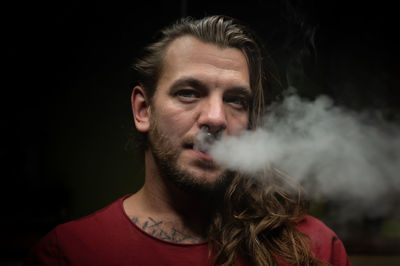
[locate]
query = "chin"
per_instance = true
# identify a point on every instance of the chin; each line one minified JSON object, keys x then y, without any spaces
{"x":209,"y":176}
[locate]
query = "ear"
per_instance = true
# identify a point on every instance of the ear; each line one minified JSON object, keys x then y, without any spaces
{"x":141,"y":109}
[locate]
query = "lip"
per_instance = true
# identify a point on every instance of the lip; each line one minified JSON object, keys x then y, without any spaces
{"x":203,"y":155}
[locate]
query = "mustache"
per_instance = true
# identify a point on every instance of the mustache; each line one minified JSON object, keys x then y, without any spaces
{"x":188,"y":141}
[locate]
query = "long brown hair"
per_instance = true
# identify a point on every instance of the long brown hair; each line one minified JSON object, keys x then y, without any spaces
{"x":258,"y":222}
{"x":258,"y":215}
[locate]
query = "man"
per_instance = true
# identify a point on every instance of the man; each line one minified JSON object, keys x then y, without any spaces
{"x":200,"y":75}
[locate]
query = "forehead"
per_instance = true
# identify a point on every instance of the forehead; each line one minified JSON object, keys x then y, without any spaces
{"x":188,"y":55}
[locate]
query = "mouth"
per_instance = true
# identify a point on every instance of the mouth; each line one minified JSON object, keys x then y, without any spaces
{"x":200,"y":150}
{"x":201,"y":144}
{"x":194,"y":147}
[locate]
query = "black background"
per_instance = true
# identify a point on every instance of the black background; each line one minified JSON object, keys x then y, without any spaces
{"x":66,"y":118}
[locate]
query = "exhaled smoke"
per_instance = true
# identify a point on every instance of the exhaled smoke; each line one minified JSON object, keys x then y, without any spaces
{"x":334,"y":152}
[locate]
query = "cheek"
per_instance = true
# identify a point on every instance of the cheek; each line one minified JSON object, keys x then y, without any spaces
{"x":173,"y":123}
{"x":238,"y":124}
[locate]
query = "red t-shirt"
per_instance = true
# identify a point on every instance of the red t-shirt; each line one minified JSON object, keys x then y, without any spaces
{"x":109,"y":237}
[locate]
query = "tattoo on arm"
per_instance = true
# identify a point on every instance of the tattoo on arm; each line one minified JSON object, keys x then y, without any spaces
{"x":159,"y":230}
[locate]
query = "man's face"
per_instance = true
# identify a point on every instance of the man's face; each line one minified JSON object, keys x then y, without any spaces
{"x":200,"y":85}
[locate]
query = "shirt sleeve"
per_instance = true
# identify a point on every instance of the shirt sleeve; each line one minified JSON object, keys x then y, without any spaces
{"x":325,"y":244}
{"x":46,"y":252}
{"x":338,"y":254}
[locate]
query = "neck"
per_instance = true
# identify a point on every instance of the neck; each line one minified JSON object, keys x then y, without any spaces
{"x":177,"y":215}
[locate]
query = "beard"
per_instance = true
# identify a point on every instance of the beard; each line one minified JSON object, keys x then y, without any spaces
{"x":166,"y":156}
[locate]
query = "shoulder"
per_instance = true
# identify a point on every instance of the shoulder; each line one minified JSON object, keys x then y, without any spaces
{"x":101,"y":226}
{"x":110,"y":215}
{"x":76,"y":236}
{"x":315,"y":229}
{"x":325,"y":244}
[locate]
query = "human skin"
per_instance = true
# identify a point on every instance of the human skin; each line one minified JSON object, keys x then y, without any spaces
{"x":183,"y":107}
{"x":200,"y":85}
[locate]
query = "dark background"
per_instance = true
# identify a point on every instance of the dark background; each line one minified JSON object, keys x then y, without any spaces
{"x":66,"y":126}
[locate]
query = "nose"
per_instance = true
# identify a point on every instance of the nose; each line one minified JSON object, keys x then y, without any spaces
{"x":212,"y":115}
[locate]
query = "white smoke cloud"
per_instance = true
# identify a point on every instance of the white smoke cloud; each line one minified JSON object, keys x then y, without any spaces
{"x":334,"y":152}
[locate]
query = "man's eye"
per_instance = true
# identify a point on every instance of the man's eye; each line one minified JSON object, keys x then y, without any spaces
{"x":237,"y":102}
{"x":187,"y":95}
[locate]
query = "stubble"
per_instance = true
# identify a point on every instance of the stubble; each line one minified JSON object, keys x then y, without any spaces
{"x":166,"y":157}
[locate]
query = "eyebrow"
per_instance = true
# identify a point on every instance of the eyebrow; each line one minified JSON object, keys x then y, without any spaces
{"x":191,"y":82}
{"x":195,"y":83}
